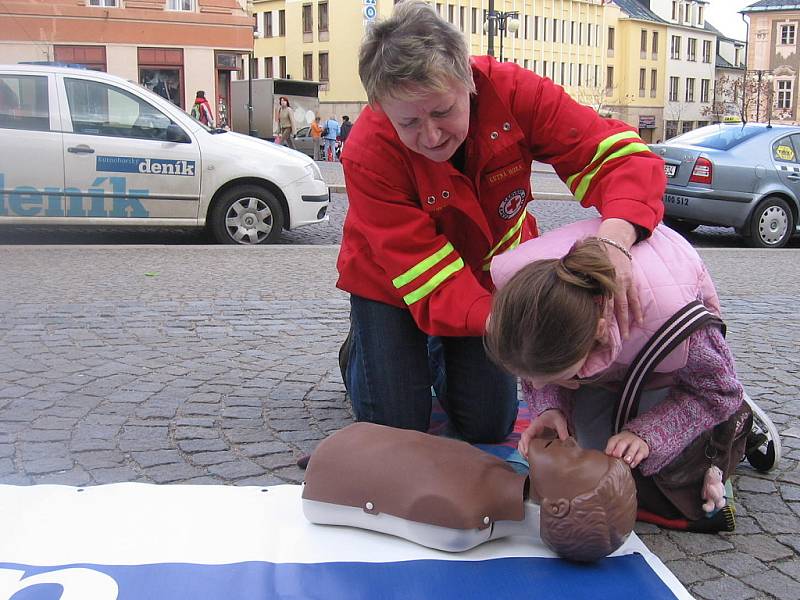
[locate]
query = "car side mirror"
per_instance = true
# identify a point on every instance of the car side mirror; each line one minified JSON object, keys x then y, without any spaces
{"x":176,"y":134}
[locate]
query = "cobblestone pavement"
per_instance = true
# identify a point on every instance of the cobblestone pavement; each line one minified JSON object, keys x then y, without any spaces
{"x":214,"y":364}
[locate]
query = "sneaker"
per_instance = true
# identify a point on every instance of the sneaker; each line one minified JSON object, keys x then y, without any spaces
{"x":763,"y":449}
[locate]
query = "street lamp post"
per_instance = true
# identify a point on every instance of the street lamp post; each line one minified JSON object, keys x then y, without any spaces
{"x":503,"y":21}
{"x":250,"y":61}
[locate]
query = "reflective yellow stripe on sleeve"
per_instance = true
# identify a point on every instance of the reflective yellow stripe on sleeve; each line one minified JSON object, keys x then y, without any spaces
{"x":424,"y":266}
{"x":516,"y":229}
{"x":635,"y":145}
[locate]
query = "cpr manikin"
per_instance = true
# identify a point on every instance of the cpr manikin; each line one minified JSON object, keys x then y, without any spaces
{"x":445,"y":494}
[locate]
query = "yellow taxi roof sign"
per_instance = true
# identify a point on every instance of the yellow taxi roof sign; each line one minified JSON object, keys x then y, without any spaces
{"x":731,"y":119}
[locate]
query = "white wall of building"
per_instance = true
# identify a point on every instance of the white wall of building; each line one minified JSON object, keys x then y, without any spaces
{"x":14,"y":52}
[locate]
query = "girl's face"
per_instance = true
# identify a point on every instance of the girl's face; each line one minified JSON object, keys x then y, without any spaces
{"x":433,"y":124}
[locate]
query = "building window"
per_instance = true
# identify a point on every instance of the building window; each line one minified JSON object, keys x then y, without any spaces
{"x":555,"y":30}
{"x":308,"y":67}
{"x":580,"y":75}
{"x":673,"y":89}
{"x":526,"y":24}
{"x":691,"y":50}
{"x":674,"y":10}
{"x":308,"y":19}
{"x":563,"y":79}
{"x":784,"y":94}
{"x":655,"y":44}
{"x":450,"y":12}
{"x":642,"y":81}
{"x":184,"y":5}
{"x":643,"y":44}
{"x":535,"y":28}
{"x":680,"y":12}
{"x":653,"y":82}
{"x":282,"y":24}
{"x":670,"y":129}
{"x":702,"y":124}
{"x":707,"y":52}
{"x":439,"y":8}
{"x":675,"y":50}
{"x":687,"y":126}
{"x":268,"y":72}
{"x":106,"y":3}
{"x":322,"y":16}
{"x":580,"y":33}
{"x":787,"y":35}
{"x":161,"y":71}
{"x":737,"y":53}
{"x":461,"y":17}
{"x":282,"y":67}
{"x":611,"y":41}
{"x":475,"y":20}
{"x":91,"y":57}
{"x":268,"y":24}
{"x":572,"y":32}
{"x":588,"y":35}
{"x":690,"y":89}
{"x":705,"y":89}
{"x":323,"y":67}
{"x":700,"y":19}
{"x":609,"y":79}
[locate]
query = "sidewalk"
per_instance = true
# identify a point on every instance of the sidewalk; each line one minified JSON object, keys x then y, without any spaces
{"x":545,"y":183}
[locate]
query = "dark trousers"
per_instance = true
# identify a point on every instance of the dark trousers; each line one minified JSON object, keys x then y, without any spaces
{"x":392,"y":364}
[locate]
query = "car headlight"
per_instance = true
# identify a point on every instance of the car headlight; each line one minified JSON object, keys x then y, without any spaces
{"x":313,"y":170}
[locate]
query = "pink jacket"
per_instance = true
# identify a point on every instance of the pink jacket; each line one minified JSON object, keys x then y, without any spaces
{"x":668,"y":274}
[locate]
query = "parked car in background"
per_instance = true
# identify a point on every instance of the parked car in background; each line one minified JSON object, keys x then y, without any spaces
{"x":740,"y":175}
{"x":304,"y":143}
{"x":78,"y":147}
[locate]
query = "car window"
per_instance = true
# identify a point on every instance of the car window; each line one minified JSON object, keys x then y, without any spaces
{"x":24,"y":103}
{"x":718,"y":137}
{"x":784,"y":150}
{"x":102,"y":109}
{"x":303,"y":132}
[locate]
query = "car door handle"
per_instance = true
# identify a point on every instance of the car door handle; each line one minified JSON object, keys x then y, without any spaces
{"x":793,"y":177}
{"x":82,"y":149}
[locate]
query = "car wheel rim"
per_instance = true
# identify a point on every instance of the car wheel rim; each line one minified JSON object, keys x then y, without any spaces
{"x":772,"y":225}
{"x":249,"y":221}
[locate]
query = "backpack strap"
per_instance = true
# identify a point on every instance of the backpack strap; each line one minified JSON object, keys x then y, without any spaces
{"x":678,"y":328}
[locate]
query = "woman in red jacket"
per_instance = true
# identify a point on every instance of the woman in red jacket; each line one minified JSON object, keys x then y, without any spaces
{"x":438,"y":178}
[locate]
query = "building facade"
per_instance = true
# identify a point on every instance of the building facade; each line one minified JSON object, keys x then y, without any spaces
{"x":173,"y":47}
{"x":773,"y":55}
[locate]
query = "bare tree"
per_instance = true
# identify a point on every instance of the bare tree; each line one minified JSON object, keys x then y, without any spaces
{"x":748,"y":96}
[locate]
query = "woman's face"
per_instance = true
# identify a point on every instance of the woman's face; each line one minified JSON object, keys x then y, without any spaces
{"x":284,"y":102}
{"x":433,"y":124}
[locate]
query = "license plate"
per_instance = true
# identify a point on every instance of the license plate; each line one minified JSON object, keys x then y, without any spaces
{"x":669,"y":170}
{"x":677,"y":200}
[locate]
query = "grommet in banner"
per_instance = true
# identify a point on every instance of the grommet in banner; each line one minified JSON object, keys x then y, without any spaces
{"x":506,"y":126}
{"x":486,"y":520}
{"x":431,"y":199}
{"x":369,"y":506}
{"x":445,"y":194}
{"x":494,"y":135}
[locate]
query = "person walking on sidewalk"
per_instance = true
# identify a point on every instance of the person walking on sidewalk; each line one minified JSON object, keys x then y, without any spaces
{"x":285,"y":122}
{"x":346,"y":126}
{"x":201,"y":110}
{"x":316,"y":137}
{"x":438,"y":171}
{"x":330,"y":132}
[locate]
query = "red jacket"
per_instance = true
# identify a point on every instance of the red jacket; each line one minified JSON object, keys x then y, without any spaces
{"x":421,"y":235}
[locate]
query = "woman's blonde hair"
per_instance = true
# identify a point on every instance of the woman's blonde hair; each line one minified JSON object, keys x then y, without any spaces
{"x":545,"y":318}
{"x":415,"y":49}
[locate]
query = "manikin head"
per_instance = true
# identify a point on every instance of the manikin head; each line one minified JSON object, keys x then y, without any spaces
{"x":587,"y":499}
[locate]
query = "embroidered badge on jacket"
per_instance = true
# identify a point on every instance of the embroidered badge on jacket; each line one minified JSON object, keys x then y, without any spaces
{"x":512,"y":204}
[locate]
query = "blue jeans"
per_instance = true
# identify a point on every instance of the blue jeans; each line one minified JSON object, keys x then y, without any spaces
{"x":330,"y":145}
{"x":392,"y":364}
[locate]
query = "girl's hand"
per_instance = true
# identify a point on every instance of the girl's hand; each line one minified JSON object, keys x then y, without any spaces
{"x":629,"y":447}
{"x":713,"y":492}
{"x":552,"y":419}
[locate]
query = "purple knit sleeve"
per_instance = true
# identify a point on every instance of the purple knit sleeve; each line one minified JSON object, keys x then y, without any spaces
{"x":705,"y":393}
{"x":550,"y":396}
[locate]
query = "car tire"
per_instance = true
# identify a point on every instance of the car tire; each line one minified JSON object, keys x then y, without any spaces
{"x":681,"y":226}
{"x":771,"y":224}
{"x":247,"y":215}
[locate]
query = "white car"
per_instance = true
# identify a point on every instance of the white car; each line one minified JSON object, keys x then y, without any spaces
{"x":87,"y":148}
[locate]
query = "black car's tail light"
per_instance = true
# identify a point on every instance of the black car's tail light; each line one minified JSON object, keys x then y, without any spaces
{"x":702,"y":171}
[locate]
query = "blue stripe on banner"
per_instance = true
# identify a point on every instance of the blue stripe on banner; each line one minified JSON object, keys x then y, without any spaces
{"x":540,"y":578}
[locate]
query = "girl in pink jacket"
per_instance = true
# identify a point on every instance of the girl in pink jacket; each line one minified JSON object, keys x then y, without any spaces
{"x":553,"y":325}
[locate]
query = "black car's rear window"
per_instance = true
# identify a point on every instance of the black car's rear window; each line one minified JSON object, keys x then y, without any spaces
{"x":719,"y":137}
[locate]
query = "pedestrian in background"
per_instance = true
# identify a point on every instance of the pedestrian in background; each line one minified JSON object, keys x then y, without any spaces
{"x":285,"y":122}
{"x":346,"y":126}
{"x":201,"y":110}
{"x":329,"y":134}
{"x":316,"y":136}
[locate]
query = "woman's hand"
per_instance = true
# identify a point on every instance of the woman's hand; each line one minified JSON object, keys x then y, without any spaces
{"x":629,"y":447}
{"x":552,"y":419}
{"x":626,"y":300}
